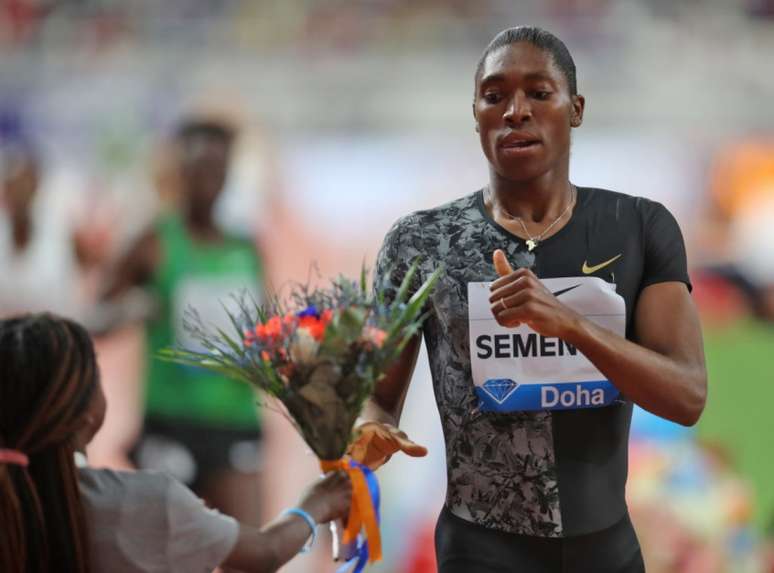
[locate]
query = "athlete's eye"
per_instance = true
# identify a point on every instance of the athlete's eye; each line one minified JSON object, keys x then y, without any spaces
{"x":541,"y":94}
{"x":492,"y":97}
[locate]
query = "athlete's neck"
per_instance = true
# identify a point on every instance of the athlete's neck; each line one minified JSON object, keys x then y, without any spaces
{"x":201,"y":224}
{"x":21,"y":230}
{"x":533,"y":200}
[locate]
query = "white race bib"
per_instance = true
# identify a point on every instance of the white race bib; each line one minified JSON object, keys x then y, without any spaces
{"x":209,"y":296}
{"x":517,"y":369}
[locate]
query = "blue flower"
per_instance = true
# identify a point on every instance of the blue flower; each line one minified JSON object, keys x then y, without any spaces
{"x":309,"y":311}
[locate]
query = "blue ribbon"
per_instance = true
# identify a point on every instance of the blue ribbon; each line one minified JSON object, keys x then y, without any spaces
{"x":360,"y":560}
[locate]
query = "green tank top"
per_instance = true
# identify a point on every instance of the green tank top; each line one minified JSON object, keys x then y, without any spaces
{"x":202,"y":276}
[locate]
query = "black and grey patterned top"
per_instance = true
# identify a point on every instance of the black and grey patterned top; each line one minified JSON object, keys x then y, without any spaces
{"x":541,"y":473}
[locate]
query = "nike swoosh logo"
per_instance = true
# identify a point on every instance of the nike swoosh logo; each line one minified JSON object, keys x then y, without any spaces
{"x":587,"y":270}
{"x":564,"y":290}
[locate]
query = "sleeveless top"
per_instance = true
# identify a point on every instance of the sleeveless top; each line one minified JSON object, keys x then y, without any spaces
{"x":199,"y":276}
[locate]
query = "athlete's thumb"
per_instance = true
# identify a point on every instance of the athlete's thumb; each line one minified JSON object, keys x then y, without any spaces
{"x":501,"y":264}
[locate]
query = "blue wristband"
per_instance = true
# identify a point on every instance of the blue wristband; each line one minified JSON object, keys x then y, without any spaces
{"x":309,"y":521}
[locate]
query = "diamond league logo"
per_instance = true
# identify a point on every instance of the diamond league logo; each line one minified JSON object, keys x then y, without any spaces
{"x":500,"y":388}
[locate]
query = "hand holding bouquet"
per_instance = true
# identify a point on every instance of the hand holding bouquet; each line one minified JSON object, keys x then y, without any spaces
{"x":320,"y":357}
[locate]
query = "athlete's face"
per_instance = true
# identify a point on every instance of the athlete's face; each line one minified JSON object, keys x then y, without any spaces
{"x":19,"y":187}
{"x":524,"y":112}
{"x":205,"y":166}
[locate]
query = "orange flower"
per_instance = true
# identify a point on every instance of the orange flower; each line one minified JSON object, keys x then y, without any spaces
{"x":375,"y":335}
{"x":315,"y":326}
{"x":272,"y":328}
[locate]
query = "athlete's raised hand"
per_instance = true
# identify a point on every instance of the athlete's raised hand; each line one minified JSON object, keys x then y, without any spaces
{"x":518,"y":297}
{"x":375,"y":442}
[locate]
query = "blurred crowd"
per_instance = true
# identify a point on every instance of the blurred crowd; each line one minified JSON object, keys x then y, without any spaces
{"x":91,"y":161}
{"x":337,"y":23}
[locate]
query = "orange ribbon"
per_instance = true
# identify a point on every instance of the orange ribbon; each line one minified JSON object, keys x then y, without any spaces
{"x":361,"y":512}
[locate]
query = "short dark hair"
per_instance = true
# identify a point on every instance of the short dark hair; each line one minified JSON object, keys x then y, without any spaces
{"x":202,"y":127}
{"x":17,"y":155}
{"x":540,"y":39}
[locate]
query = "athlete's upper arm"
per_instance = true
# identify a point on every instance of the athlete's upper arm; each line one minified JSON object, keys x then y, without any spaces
{"x":663,"y":246}
{"x":666,"y":321}
{"x":392,"y":264}
{"x":135,"y":267}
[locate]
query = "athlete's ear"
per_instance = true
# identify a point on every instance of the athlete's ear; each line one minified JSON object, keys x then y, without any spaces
{"x":576,"y":113}
{"x":473,"y":105}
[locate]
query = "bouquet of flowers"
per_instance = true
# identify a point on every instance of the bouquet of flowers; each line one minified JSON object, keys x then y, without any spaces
{"x":319,"y":356}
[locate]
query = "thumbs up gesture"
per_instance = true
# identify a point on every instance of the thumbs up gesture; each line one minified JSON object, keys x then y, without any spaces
{"x":518,"y":297}
{"x":501,"y":264}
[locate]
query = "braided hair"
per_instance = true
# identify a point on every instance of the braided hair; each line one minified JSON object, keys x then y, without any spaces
{"x":48,"y":375}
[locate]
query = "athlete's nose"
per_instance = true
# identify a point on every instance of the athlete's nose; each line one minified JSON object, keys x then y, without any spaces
{"x":518,"y":109}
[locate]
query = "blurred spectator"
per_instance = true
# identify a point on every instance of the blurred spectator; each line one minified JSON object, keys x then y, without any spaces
{"x":692,"y":509}
{"x":734,"y":288}
{"x":43,"y":253}
{"x":738,"y":231}
{"x":760,"y":8}
{"x":165,"y":173}
{"x":201,"y":428}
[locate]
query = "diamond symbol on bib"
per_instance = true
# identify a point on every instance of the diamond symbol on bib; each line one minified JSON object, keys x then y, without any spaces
{"x":500,"y":388}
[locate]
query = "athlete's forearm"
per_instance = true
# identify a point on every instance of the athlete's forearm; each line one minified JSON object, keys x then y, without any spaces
{"x":373,"y":412}
{"x":386,"y":403}
{"x":673,"y":387}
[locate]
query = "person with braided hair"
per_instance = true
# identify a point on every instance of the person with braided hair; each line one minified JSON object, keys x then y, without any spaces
{"x":56,"y":516}
{"x":47,"y":378}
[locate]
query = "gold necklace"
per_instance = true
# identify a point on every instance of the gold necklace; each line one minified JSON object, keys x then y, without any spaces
{"x":533,"y":242}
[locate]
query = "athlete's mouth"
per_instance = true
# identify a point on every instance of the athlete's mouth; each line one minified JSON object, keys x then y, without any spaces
{"x":518,"y":141}
{"x":519,"y":144}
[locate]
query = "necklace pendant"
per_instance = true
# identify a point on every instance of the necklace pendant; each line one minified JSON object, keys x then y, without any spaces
{"x":531,"y":244}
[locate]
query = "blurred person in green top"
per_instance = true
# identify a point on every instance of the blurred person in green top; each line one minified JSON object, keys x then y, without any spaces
{"x":199,"y":427}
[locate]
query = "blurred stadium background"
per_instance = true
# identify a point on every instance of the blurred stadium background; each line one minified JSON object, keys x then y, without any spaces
{"x":353,"y":113}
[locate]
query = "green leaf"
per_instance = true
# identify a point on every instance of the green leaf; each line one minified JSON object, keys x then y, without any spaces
{"x":333,"y":343}
{"x":261,"y":375}
{"x":416,"y":303}
{"x":405,"y":285}
{"x":172,"y":354}
{"x":260,"y":312}
{"x":233,"y":321}
{"x":237,"y":348}
{"x":423,"y":292}
{"x":230,"y":371}
{"x":349,"y":323}
{"x":363,"y":279}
